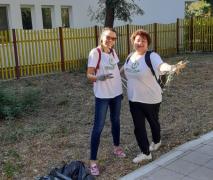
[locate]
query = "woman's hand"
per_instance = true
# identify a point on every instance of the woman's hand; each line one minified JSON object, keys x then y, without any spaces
{"x":179,"y":66}
{"x":166,"y":68}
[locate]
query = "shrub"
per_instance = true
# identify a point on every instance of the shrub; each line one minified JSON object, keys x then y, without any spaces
{"x":14,"y":103}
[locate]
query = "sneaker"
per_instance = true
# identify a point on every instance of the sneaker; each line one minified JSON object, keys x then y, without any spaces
{"x":118,"y":151}
{"x":94,"y":170}
{"x":142,"y":157}
{"x":154,"y":147}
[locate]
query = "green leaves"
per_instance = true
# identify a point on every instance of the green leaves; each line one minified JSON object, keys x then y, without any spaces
{"x":122,"y":9}
{"x":198,"y":9}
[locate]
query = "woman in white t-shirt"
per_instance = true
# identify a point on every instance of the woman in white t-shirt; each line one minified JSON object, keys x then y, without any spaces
{"x":103,"y":71}
{"x":144,"y":93}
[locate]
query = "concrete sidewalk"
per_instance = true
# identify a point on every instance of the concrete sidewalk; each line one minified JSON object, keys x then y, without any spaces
{"x":190,"y":161}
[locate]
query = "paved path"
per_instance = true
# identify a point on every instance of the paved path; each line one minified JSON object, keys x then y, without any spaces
{"x":190,"y":161}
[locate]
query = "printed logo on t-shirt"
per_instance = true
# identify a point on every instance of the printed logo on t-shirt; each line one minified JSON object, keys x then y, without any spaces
{"x":133,"y":68}
{"x":111,"y":64}
{"x":135,"y":65}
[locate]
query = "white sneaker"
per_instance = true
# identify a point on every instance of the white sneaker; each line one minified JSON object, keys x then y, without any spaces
{"x":142,"y":157}
{"x":154,"y":147}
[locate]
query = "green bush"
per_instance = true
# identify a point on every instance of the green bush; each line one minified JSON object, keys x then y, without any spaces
{"x":14,"y":103}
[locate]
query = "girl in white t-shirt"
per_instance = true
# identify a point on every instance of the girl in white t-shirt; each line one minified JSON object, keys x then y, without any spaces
{"x":144,"y":93}
{"x":103,"y":71}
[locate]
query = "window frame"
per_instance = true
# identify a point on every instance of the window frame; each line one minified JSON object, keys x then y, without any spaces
{"x":4,"y":32}
{"x":7,"y":17}
{"x":51,"y":16}
{"x":69,"y":15}
{"x":31,"y":13}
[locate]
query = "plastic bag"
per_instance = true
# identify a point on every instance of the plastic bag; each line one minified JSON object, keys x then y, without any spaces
{"x":75,"y":170}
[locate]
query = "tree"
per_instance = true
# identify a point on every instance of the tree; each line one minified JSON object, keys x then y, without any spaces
{"x":198,"y":9}
{"x":109,"y":10}
{"x":211,"y":3}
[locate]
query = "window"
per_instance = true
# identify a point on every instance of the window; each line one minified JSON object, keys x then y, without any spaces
{"x":26,"y":18}
{"x":3,"y":18}
{"x":47,"y":19}
{"x":65,"y":17}
{"x":4,"y":35}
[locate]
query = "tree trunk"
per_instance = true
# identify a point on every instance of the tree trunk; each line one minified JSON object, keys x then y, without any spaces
{"x":110,"y":15}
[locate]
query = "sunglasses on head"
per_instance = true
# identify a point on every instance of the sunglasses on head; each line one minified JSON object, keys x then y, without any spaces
{"x":111,"y":38}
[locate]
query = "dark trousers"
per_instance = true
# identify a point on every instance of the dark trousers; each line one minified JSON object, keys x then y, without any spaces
{"x":140,"y":112}
{"x":101,"y":107}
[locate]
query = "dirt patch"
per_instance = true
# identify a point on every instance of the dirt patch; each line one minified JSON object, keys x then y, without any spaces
{"x":59,"y":130}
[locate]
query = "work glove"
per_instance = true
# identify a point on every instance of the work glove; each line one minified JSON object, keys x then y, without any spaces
{"x":103,"y":77}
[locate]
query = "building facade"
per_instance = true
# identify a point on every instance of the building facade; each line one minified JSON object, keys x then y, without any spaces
{"x":42,"y":14}
{"x":39,"y":14}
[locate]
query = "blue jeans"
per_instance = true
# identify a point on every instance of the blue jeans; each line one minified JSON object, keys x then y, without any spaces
{"x":101,"y":107}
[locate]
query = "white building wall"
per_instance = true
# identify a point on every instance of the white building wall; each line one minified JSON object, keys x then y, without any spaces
{"x":79,"y":12}
{"x":160,"y":11}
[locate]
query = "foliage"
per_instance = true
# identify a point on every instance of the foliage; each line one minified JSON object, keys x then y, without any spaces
{"x":198,"y":9}
{"x":14,"y":103}
{"x":211,"y":3}
{"x":202,"y":34}
{"x":121,"y":9}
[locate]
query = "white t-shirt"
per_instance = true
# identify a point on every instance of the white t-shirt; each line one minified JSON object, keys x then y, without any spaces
{"x":109,"y":88}
{"x":141,"y":84}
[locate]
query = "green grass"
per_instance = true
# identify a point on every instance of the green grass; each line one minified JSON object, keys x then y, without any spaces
{"x":11,"y":164}
{"x":15,"y":132}
{"x":14,"y":103}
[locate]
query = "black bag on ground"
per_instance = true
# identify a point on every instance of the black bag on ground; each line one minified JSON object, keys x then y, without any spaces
{"x":75,"y":170}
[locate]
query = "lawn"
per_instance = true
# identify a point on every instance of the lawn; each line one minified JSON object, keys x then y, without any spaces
{"x":58,"y":131}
